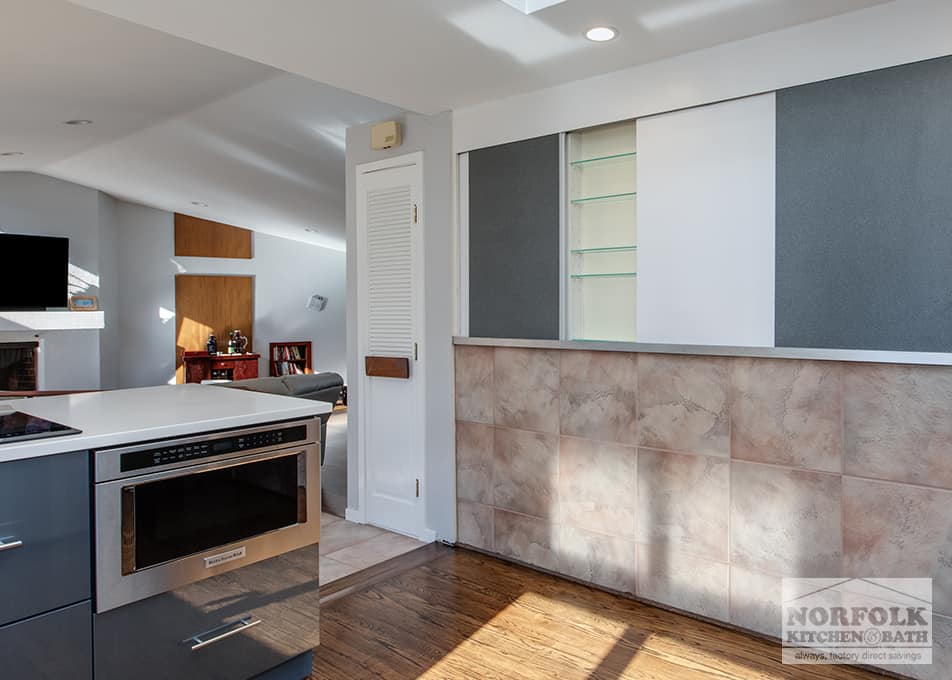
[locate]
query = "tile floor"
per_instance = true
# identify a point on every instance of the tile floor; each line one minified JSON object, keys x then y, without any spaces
{"x":347,"y":547}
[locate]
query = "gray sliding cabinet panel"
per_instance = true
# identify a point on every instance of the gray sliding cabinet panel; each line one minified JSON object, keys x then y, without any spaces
{"x":864,"y":211}
{"x":514,"y":240}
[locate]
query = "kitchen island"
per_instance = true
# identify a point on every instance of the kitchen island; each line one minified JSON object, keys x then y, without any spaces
{"x":174,"y":536}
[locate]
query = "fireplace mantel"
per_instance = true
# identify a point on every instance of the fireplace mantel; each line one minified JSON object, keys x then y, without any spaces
{"x":52,"y":321}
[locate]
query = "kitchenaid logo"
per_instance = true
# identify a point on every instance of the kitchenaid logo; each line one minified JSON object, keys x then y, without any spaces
{"x":221,"y":558}
{"x":857,"y":621}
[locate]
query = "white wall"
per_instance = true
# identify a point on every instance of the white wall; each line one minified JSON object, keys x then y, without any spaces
{"x":286,"y":274}
{"x":34,"y":204}
{"x":109,"y":342}
{"x":884,"y":35}
{"x":706,"y":224}
{"x":147,"y":296}
{"x":433,"y":136}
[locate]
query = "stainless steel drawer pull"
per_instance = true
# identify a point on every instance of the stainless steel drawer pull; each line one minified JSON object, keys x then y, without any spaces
{"x":210,"y":637}
{"x":7,"y":544}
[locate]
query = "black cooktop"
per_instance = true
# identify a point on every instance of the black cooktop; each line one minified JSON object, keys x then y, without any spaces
{"x":16,"y":426}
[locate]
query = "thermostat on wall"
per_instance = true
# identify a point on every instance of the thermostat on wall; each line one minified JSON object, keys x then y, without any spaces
{"x":385,"y":135}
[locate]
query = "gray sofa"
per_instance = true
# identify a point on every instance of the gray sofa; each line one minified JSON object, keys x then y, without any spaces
{"x":317,"y":386}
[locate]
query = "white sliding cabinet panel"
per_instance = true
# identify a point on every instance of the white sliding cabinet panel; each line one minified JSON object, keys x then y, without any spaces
{"x":706,"y":219}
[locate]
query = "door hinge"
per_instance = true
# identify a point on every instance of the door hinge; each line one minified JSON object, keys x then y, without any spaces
{"x":416,"y":352}
{"x":414,"y":213}
{"x":418,"y":488}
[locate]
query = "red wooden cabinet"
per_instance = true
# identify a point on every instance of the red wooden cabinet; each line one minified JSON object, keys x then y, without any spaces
{"x":201,"y":366}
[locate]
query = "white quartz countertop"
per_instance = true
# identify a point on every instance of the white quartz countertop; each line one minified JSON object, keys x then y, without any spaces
{"x":137,"y":415}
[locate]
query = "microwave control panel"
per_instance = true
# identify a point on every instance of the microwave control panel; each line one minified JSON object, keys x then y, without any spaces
{"x":211,"y":447}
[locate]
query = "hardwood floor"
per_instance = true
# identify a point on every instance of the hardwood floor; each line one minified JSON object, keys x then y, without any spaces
{"x":466,"y":615}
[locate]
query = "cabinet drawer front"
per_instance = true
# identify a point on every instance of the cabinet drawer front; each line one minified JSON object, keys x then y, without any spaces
{"x":49,"y":647}
{"x":223,"y":364}
{"x":240,"y":624}
{"x":44,"y":512}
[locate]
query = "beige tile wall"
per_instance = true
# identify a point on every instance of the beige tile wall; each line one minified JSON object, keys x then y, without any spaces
{"x":699,"y":482}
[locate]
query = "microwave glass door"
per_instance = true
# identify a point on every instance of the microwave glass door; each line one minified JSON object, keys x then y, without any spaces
{"x":174,"y":517}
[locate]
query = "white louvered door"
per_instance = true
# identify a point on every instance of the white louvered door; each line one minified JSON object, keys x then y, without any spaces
{"x":389,"y":223}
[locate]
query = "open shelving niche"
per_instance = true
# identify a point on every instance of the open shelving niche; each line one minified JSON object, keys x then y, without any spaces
{"x":602,"y":232}
{"x":289,"y":358}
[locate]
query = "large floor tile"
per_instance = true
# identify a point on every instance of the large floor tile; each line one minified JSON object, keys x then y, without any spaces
{"x":684,"y":502}
{"x":474,"y":462}
{"x":526,"y":472}
{"x":898,"y":423}
{"x":756,"y":601}
{"x":785,"y":521}
{"x":375,"y":550}
{"x":900,"y":531}
{"x":941,"y":664}
{"x":474,"y":384}
{"x":683,"y":403}
{"x":331,"y":570}
{"x":527,"y":539}
{"x":597,"y":486}
{"x":787,"y":412}
{"x":339,"y":535}
{"x":606,"y":561}
{"x":474,"y":525}
{"x":527,"y":389}
{"x":683,"y":581}
{"x":598,"y":395}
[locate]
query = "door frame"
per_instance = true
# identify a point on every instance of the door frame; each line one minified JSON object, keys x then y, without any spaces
{"x":418,"y":365}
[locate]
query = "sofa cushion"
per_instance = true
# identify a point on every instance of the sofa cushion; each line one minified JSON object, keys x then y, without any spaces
{"x":269,"y":385}
{"x":298,"y":385}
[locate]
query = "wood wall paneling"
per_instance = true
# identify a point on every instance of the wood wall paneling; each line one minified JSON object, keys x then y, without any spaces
{"x":195,"y":237}
{"x":210,"y":304}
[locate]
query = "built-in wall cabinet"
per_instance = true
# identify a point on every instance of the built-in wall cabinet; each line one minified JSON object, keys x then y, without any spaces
{"x":817,"y":216}
{"x":602,"y":233}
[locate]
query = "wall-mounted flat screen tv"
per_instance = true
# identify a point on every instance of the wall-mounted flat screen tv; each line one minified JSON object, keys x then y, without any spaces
{"x":34,"y":272}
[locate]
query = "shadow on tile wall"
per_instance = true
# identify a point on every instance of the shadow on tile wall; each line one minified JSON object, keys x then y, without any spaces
{"x":700,"y":482}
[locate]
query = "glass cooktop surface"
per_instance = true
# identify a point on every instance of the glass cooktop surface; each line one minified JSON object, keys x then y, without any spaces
{"x":18,"y":426}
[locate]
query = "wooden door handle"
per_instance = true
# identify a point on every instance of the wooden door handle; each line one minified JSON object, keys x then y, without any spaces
{"x":387,"y":367}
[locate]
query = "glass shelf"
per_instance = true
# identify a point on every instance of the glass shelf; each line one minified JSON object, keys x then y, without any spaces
{"x":593,"y":199}
{"x":604,"y":276}
{"x":607,"y":249}
{"x":586,"y":161}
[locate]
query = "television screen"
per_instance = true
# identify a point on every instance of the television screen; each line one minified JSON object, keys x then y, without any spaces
{"x":34,"y":272}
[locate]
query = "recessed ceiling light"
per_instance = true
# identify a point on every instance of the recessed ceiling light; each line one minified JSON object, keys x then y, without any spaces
{"x":78,"y":121}
{"x":11,"y":153}
{"x":601,"y":33}
{"x":200,"y":204}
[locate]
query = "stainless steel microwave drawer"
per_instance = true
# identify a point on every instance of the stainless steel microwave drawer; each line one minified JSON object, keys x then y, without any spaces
{"x":50,"y":646}
{"x":44,"y":535}
{"x":232,"y":626}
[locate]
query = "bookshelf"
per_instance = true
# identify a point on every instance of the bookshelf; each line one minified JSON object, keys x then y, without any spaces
{"x":289,"y":358}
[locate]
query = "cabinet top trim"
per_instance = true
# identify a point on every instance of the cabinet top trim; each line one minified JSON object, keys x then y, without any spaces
{"x":803,"y":353}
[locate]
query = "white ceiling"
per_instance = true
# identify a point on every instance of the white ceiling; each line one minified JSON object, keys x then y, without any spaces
{"x":434,"y":55}
{"x":175,"y":121}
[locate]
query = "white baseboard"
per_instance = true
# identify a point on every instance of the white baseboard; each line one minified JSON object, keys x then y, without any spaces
{"x":354,"y":515}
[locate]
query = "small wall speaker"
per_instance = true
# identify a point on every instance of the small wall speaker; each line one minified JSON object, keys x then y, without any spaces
{"x":317,"y":302}
{"x":385,"y":135}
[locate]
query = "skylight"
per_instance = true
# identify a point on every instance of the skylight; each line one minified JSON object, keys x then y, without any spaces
{"x":531,"y":6}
